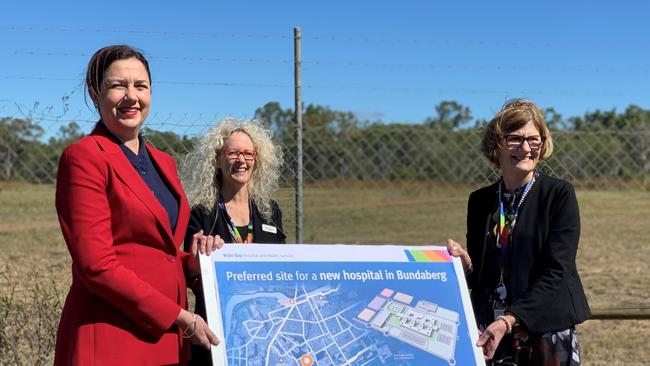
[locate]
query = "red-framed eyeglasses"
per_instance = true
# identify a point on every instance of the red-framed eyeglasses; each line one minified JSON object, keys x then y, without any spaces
{"x":233,"y":154}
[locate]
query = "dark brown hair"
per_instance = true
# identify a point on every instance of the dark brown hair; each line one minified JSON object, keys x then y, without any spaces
{"x":514,"y":114}
{"x":101,"y":61}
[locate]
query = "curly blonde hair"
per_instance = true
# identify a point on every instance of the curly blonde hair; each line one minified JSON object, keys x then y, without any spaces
{"x":514,"y":114}
{"x":202,"y":180}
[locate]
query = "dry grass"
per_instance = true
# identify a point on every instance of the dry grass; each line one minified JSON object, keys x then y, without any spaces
{"x":611,"y":260}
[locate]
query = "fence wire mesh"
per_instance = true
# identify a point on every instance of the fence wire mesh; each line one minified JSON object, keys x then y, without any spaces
{"x":363,"y":183}
{"x":372,"y":154}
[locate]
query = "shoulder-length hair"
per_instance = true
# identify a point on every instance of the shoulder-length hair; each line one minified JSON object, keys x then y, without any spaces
{"x":202,"y":180}
{"x":514,"y":114}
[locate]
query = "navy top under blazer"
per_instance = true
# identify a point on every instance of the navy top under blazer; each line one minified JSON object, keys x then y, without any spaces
{"x":544,"y":289}
{"x":145,"y":167}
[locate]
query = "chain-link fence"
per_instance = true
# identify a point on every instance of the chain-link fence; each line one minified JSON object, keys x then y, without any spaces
{"x":364,"y":183}
{"x":372,"y":154}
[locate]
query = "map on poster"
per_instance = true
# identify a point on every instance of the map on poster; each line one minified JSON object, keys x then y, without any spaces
{"x":306,"y":305}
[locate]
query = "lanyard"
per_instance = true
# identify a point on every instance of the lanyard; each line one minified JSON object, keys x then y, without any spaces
{"x":506,"y":229}
{"x":232,"y":228}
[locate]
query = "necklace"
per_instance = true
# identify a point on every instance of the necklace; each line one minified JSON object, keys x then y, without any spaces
{"x":506,"y":231}
{"x":506,"y":228}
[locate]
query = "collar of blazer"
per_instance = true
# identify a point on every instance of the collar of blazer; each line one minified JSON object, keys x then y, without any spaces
{"x":137,"y":185}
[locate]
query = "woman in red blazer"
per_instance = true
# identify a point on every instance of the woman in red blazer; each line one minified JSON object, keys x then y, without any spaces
{"x":123,"y":215}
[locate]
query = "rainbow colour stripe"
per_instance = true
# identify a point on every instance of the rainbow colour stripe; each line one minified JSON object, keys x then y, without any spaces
{"x":428,"y":255}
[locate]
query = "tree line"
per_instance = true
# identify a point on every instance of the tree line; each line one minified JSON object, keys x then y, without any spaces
{"x":338,"y":145}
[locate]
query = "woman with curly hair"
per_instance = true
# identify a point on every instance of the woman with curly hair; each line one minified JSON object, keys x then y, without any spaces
{"x":229,"y":177}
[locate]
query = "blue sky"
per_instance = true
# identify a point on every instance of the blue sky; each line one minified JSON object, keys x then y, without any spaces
{"x":384,"y":60}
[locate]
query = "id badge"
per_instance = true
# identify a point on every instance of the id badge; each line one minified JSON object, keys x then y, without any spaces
{"x":498,"y":311}
{"x":498,"y":308}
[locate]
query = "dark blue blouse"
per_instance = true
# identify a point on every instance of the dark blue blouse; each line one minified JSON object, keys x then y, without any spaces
{"x":149,"y":173}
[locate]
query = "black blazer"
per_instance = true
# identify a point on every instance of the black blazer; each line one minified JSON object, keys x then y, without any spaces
{"x":544,"y":289}
{"x":200,"y":219}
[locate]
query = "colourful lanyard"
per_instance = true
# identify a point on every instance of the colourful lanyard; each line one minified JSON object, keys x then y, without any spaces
{"x":232,"y":228}
{"x":506,"y":229}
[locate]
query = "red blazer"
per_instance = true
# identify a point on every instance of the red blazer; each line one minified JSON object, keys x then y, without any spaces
{"x":128,"y":282}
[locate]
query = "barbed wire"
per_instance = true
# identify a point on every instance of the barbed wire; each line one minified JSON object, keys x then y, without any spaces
{"x":333,"y":38}
{"x":153,"y":57}
{"x":480,"y":67}
{"x":384,"y":65}
{"x":359,"y":87}
{"x":480,"y":43}
{"x":373,"y":88}
{"x":48,"y":78}
{"x":142,"y":32}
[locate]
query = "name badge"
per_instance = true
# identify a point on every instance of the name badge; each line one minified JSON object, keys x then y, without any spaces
{"x":269,"y":229}
{"x":498,"y":312}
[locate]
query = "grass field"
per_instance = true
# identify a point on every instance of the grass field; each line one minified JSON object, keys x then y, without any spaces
{"x":614,"y":248}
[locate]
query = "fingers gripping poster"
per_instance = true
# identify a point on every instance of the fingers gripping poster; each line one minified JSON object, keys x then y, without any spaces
{"x":309,"y":305}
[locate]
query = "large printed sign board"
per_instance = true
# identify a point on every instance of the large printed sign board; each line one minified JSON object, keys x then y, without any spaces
{"x":309,"y":305}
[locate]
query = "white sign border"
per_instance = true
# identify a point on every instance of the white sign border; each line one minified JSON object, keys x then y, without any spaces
{"x":212,"y":302}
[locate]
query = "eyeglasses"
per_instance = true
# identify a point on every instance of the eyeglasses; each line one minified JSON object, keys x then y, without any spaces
{"x":515,"y":141}
{"x":233,"y":154}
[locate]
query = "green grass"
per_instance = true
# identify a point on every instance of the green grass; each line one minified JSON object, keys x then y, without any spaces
{"x":612,"y":258}
{"x":400,"y":215}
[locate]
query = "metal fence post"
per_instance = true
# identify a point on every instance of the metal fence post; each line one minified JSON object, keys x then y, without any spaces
{"x":298,"y":116}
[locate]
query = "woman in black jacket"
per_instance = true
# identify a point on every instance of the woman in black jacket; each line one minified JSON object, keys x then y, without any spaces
{"x":229,"y":177}
{"x":522,"y":240}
